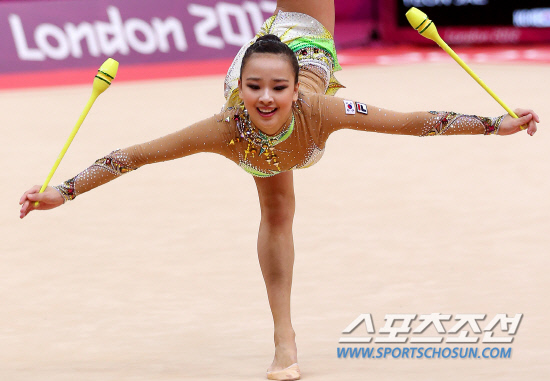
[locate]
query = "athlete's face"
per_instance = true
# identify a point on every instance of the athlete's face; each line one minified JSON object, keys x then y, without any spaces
{"x":267,"y":89}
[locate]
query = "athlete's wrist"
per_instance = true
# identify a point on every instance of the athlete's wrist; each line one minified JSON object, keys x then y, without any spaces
{"x":67,"y":190}
{"x":494,"y":125}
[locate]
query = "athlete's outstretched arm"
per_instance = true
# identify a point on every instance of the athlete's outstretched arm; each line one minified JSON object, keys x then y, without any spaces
{"x":338,"y":113}
{"x":209,"y":135}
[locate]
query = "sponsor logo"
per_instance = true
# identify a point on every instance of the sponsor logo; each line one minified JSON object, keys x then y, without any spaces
{"x":362,"y":108}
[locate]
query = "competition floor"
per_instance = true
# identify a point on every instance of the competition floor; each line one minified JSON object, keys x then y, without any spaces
{"x":155,"y":275}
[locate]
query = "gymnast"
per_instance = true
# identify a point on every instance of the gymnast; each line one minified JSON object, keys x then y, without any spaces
{"x":280,"y":110}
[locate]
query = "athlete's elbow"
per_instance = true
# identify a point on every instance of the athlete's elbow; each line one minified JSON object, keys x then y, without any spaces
{"x":137,"y":156}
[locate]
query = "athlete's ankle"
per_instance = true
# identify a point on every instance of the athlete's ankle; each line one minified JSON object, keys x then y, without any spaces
{"x":284,"y":336}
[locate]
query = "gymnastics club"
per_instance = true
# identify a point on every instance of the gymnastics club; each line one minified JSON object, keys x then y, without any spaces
{"x":426,"y":27}
{"x":105,"y":75}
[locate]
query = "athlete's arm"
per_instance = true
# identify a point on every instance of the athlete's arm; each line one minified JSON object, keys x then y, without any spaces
{"x":338,"y":113}
{"x":209,"y":135}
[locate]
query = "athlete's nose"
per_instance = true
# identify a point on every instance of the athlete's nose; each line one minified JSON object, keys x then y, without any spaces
{"x":266,"y":97}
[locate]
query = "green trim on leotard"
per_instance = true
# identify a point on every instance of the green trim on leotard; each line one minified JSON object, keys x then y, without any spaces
{"x":255,"y":172}
{"x":276,"y":140}
{"x":325,"y":44}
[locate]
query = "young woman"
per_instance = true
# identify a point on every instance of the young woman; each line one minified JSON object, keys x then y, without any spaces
{"x":278,"y":116}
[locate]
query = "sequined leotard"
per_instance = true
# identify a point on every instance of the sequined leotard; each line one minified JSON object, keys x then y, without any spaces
{"x":301,"y":142}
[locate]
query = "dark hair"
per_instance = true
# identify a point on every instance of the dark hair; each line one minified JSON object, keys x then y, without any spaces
{"x":270,"y":43}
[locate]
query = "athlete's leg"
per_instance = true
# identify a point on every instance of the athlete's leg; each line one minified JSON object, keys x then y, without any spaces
{"x":276,"y":255}
{"x":321,"y":10}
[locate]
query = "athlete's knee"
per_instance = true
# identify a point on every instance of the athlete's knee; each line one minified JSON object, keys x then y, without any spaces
{"x":278,"y":209}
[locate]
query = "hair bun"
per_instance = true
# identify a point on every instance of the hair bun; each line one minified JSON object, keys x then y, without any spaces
{"x":269,"y":37}
{"x":271,"y":44}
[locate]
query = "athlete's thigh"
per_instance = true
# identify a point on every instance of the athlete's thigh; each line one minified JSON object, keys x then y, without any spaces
{"x":276,"y":193}
{"x":321,"y":10}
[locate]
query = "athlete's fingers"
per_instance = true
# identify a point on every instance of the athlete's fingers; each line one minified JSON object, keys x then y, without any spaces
{"x":532,"y":124}
{"x":532,"y":127}
{"x":523,"y":120}
{"x":523,"y":111}
{"x":36,"y":196}
{"x":25,"y":209}
{"x":34,"y":189}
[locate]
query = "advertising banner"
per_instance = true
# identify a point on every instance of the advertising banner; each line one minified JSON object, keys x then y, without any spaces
{"x":469,"y":22}
{"x":47,"y":35}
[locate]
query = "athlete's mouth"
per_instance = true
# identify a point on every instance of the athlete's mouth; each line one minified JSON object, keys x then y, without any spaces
{"x":266,"y":111}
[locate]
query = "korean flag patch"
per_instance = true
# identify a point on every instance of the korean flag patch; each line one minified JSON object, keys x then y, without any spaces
{"x":362,"y":108}
{"x":350,"y":107}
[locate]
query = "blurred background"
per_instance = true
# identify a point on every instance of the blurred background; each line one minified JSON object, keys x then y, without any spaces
{"x":48,"y":35}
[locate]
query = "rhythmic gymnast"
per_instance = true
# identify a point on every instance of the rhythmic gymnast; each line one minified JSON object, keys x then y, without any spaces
{"x":279,"y":113}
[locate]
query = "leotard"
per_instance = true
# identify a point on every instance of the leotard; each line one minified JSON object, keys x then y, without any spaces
{"x":301,"y":142}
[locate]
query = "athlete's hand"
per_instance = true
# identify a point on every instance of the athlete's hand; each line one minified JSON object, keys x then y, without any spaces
{"x":48,"y":199}
{"x":512,"y":125}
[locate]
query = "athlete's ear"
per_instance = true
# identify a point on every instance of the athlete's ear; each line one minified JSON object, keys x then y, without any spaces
{"x":240,"y":89}
{"x":295,"y":95}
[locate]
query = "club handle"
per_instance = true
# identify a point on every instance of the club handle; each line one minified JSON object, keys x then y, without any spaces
{"x":446,"y":47}
{"x":89,"y":105}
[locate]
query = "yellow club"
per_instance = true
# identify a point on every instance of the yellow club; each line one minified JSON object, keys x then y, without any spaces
{"x":426,"y":27}
{"x":105,"y":75}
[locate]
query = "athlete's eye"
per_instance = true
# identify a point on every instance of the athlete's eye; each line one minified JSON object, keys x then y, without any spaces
{"x":253,"y":87}
{"x":279,"y":88}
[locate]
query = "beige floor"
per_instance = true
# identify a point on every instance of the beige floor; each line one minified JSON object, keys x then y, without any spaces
{"x":155,"y":276}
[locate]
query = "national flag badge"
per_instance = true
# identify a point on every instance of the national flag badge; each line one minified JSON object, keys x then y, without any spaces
{"x":361,"y":108}
{"x":350,"y":107}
